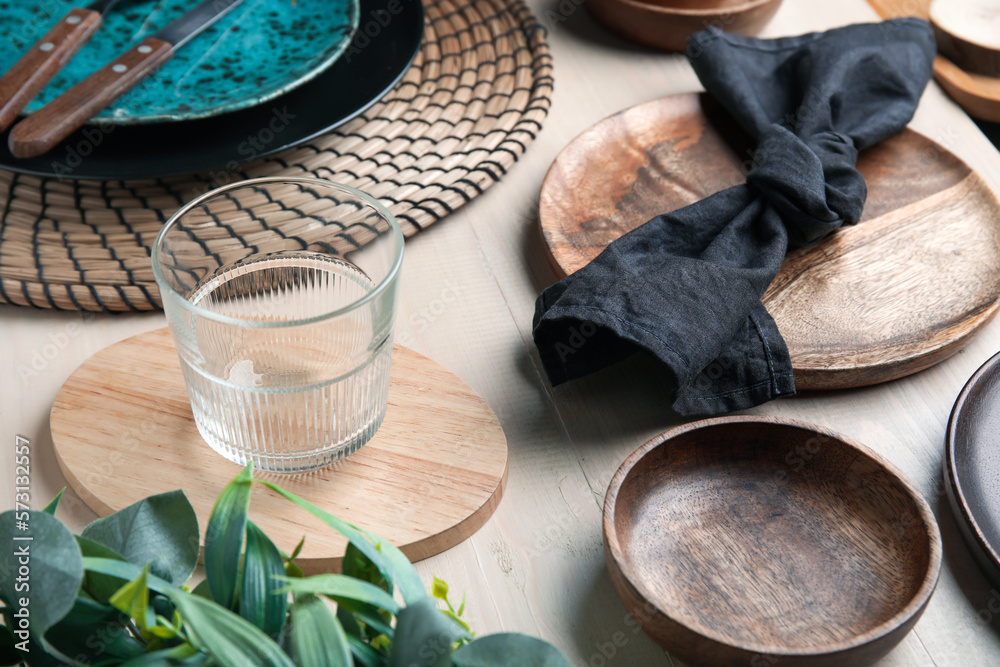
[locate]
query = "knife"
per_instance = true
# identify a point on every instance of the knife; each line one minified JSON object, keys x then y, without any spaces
{"x":36,"y":67}
{"x":42,"y":130}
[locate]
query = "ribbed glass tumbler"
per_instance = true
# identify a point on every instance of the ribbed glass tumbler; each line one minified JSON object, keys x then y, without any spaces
{"x":281,"y":294}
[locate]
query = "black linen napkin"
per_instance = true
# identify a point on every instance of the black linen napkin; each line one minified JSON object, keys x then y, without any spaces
{"x":686,"y":286}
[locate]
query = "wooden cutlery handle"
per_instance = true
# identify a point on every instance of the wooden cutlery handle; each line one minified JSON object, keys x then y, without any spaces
{"x":30,"y":74}
{"x":42,"y":130}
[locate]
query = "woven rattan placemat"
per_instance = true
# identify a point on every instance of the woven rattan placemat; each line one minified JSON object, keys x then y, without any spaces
{"x":466,"y":110}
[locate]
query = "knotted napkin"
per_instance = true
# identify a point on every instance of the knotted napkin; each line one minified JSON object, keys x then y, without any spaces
{"x":686,"y":286}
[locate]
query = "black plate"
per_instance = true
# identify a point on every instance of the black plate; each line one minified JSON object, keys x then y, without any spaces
{"x":383,"y":48}
{"x":972,"y":465}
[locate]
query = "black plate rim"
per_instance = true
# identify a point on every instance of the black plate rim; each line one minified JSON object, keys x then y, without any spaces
{"x":406,"y":28}
{"x":987,"y":554}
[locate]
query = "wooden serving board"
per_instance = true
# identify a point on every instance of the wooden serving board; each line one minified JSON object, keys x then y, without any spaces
{"x":897,"y":293}
{"x":432,"y":475}
{"x":979,"y":95}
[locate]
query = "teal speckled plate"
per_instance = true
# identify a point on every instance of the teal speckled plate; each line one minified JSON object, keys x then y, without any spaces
{"x":261,"y":49}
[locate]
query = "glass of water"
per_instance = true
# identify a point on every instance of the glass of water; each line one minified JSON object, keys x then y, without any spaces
{"x":280,"y":294}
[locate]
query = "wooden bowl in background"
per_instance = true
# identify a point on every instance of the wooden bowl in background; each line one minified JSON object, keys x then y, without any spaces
{"x":666,"y":24}
{"x":758,"y":541}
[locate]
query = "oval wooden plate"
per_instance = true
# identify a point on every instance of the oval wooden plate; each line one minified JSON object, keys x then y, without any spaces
{"x":972,"y":465}
{"x":897,"y":293}
{"x":979,"y":95}
{"x":759,"y":541}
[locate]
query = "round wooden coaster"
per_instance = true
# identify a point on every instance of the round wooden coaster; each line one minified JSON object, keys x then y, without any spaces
{"x":897,"y":293}
{"x":431,"y":476}
{"x":979,"y":95}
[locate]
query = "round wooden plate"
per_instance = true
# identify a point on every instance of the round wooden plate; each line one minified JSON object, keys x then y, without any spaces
{"x":759,"y":541}
{"x":972,"y":465}
{"x":897,"y":293}
{"x":431,"y":476}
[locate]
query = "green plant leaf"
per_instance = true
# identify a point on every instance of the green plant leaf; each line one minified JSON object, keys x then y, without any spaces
{"x":86,"y":612}
{"x":356,"y":564}
{"x":133,"y":599}
{"x":298,"y":548}
{"x":126,"y":572}
{"x":54,"y":503}
{"x":339,"y":587}
{"x":161,"y":530}
{"x":52,"y":560}
{"x":439,"y":589}
{"x":509,"y":649}
{"x":263,"y":572}
{"x":364,"y":655}
{"x":369,"y":615}
{"x":8,"y":654}
{"x":98,"y":586}
{"x":389,"y":560}
{"x":202,"y":590}
{"x":317,"y":638}
{"x":184,"y":654}
{"x":424,"y":636}
{"x":228,"y":637}
{"x":94,"y":643}
{"x":224,"y":538}
{"x":349,"y":622}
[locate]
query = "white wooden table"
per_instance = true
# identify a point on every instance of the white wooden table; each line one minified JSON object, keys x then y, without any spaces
{"x":538,"y":566}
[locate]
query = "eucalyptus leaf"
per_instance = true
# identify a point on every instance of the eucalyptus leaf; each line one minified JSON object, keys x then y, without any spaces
{"x":228,"y":637}
{"x":509,"y":649}
{"x":98,"y":586}
{"x":424,"y":636}
{"x":50,"y":556}
{"x":224,"y":539}
{"x":54,"y":503}
{"x":389,"y":560}
{"x":263,"y":572}
{"x":318,"y":640}
{"x":161,"y":530}
{"x":339,"y":586}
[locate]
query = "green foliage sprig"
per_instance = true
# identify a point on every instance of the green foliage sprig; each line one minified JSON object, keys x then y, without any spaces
{"x":118,"y":595}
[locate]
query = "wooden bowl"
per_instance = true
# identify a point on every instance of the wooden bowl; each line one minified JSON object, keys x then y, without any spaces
{"x":760,"y":541}
{"x":655,"y":24}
